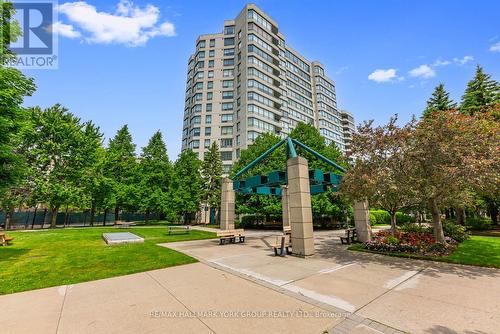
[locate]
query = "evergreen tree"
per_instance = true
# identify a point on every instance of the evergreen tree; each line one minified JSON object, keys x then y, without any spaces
{"x":155,"y":173}
{"x":439,"y":101}
{"x":482,"y":92}
{"x":120,"y":167}
{"x":187,"y":185}
{"x":211,"y":172}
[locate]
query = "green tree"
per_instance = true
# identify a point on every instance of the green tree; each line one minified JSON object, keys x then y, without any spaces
{"x":120,"y":168}
{"x":14,"y":86}
{"x":382,"y":167}
{"x":211,"y":173}
{"x":187,"y":185}
{"x":439,"y":101}
{"x":482,"y":92}
{"x":155,"y":177}
{"x":55,"y":150}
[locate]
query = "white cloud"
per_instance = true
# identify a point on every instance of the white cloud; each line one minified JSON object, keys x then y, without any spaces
{"x":423,"y":71}
{"x":383,"y":75}
{"x":495,"y":47}
{"x":440,"y":62}
{"x":66,"y":30}
{"x":463,"y":61}
{"x":129,"y":25}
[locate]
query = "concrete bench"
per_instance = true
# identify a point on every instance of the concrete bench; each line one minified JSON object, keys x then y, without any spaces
{"x":4,"y":239}
{"x":282,"y":243}
{"x":178,"y":230}
{"x":231,"y":236}
{"x":350,"y":236}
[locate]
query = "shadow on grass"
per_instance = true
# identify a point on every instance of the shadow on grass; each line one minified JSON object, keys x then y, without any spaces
{"x":8,"y":254}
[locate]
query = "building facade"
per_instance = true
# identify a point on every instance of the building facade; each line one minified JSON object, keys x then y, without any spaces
{"x":245,"y":81}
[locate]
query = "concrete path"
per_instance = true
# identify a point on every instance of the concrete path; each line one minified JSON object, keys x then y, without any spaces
{"x":193,"y":298}
{"x":408,"y":295}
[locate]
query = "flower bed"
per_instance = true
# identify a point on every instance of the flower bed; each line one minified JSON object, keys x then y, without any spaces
{"x":422,"y":243}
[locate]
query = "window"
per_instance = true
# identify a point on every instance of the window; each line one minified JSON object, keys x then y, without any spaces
{"x":198,"y":97}
{"x":259,"y":19}
{"x":227,"y":106}
{"x":199,"y":75}
{"x":226,"y":118}
{"x":198,"y":86}
{"x":238,"y":140}
{"x":212,"y":43}
{"x":210,"y":85}
{"x":227,"y":84}
{"x":226,"y":142}
{"x":252,"y":135}
{"x":210,"y":96}
{"x":208,"y":131}
{"x":229,"y":52}
{"x":201,"y":44}
{"x":228,"y":41}
{"x":196,"y":120}
{"x":209,"y":107}
{"x":195,"y":132}
{"x":226,"y":130}
{"x":227,"y":95}
{"x":194,"y":144}
{"x":226,"y":169}
{"x":196,"y":108}
{"x":228,"y":62}
{"x":229,"y":30}
{"x":228,"y":73}
{"x":211,"y":53}
{"x":208,"y":120}
{"x":199,"y":65}
{"x":210,"y":74}
{"x":210,"y":63}
{"x":226,"y":156}
{"x":207,"y":143}
{"x":200,"y":55}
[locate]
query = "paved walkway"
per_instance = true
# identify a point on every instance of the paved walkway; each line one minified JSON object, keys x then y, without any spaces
{"x":408,"y":295}
{"x":242,"y":288}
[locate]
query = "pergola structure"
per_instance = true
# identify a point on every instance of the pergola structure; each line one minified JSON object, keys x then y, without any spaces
{"x":295,"y":186}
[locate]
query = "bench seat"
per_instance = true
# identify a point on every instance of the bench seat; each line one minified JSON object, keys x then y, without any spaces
{"x":279,"y":242}
{"x":231,"y":236}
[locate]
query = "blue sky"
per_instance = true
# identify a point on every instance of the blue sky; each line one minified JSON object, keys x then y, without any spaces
{"x":386,"y":57}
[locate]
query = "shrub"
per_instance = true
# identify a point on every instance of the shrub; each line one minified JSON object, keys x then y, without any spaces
{"x":392,"y":240}
{"x":381,"y":216}
{"x":373,"y":219}
{"x":454,"y":231}
{"x":412,"y":227}
{"x":478,"y":223}
{"x":403,"y":218}
{"x":437,"y":248}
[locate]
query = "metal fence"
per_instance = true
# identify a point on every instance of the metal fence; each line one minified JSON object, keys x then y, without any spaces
{"x":42,"y":218}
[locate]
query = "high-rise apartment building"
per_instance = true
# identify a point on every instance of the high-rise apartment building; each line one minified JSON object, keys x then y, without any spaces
{"x":348,"y":129}
{"x":245,"y":81}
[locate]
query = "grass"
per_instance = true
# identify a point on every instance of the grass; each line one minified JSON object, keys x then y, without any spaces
{"x":477,"y":251}
{"x":55,"y":257}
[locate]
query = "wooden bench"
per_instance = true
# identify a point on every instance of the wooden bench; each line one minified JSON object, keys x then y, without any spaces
{"x":282,"y":243}
{"x":287,"y":230}
{"x":4,"y":239}
{"x":178,"y":230}
{"x":231,"y":235}
{"x":122,"y":224}
{"x":350,"y":236}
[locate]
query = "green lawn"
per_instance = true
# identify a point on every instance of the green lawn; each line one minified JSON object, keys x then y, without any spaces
{"x":56,"y":257}
{"x":478,"y":251}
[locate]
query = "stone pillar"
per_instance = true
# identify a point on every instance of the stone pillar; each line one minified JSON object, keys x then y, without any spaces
{"x":299,"y":203}
{"x":362,"y":221}
{"x":284,"y":206}
{"x":227,"y":205}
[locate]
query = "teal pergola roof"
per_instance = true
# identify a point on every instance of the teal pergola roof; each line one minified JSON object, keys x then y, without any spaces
{"x":270,"y":184}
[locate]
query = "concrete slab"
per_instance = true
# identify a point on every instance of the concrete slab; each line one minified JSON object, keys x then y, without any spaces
{"x":32,"y":311}
{"x":121,"y":238}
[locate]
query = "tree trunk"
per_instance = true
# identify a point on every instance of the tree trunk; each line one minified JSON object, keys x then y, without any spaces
{"x":460,"y":217}
{"x":493,"y":212}
{"x":8,"y":218}
{"x":34,"y":217}
{"x":393,"y":223}
{"x":66,"y":216}
{"x":447,"y":213}
{"x":146,"y":217}
{"x":436,"y":221}
{"x":117,"y":213}
{"x":44,"y":217}
{"x":53,"y":216}
{"x":92,"y":213}
{"x":104,"y":219}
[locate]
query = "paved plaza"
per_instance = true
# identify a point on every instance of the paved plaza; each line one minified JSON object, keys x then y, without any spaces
{"x":243,"y":288}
